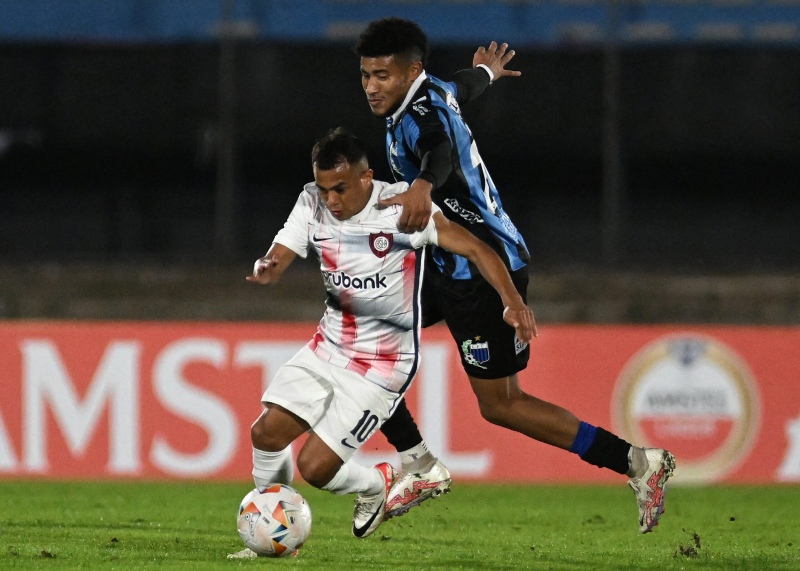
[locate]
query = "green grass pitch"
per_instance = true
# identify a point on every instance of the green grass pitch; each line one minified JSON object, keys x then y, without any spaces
{"x":133,"y":525}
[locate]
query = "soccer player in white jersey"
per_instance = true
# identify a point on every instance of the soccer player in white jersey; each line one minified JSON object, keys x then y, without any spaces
{"x":355,"y":370}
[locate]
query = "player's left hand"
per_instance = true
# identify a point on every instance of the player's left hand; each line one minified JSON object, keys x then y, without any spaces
{"x":264,"y":270}
{"x":495,"y":58}
{"x":416,"y":203}
{"x":520,"y":317}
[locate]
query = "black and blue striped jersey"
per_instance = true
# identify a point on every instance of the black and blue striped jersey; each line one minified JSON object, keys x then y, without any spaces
{"x":430,"y":117}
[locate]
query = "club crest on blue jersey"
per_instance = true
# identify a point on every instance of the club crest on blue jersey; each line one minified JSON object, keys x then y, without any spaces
{"x":475,"y":352}
{"x":452,"y":103}
{"x":381,"y":243}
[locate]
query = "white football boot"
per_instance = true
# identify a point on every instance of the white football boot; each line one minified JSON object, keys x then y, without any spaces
{"x":411,"y":489}
{"x":370,"y":510}
{"x":650,"y":488}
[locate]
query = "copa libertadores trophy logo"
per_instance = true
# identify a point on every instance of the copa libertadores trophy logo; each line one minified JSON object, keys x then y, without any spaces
{"x":691,"y":395}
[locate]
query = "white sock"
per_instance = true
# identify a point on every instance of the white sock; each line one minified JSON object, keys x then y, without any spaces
{"x":417,"y":459}
{"x":272,"y":467}
{"x":354,"y":478}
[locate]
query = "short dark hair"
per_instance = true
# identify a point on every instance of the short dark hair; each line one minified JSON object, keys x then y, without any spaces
{"x":393,"y":36}
{"x":336,"y":147}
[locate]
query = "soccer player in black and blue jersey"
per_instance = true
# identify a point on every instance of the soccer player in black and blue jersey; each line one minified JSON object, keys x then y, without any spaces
{"x":429,"y":145}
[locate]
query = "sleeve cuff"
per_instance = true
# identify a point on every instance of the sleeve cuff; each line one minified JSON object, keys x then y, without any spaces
{"x":489,"y":71}
{"x":428,"y":176}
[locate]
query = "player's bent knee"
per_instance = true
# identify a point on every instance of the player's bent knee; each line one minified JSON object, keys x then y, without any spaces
{"x":264,"y":439}
{"x":495,"y":410}
{"x":314,"y":471}
{"x":313,"y":477}
{"x":258,"y":436}
{"x":493,"y":415}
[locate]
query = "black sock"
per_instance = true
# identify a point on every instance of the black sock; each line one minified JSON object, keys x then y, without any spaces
{"x":400,"y":429}
{"x":608,"y":451}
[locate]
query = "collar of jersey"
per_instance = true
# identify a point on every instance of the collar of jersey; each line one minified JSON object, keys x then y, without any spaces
{"x":411,"y":92}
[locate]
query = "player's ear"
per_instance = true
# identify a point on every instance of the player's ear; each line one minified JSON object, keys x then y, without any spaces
{"x":366,"y":178}
{"x":415,"y":69}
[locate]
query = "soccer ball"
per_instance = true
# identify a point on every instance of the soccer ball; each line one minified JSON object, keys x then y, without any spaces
{"x":275,"y":522}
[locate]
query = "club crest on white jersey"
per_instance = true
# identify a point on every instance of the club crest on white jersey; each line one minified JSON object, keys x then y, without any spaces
{"x":381,"y":243}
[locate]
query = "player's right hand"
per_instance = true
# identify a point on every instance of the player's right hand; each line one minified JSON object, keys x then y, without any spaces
{"x":416,"y":203}
{"x":520,"y":317}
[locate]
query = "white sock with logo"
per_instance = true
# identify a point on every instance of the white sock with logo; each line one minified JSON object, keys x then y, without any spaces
{"x":354,"y":478}
{"x":417,"y":459}
{"x":272,"y":467}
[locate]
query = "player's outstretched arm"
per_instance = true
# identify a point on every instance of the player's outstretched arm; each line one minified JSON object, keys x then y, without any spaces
{"x":495,"y":58}
{"x":436,"y":165}
{"x":457,"y":240}
{"x":270,"y":268}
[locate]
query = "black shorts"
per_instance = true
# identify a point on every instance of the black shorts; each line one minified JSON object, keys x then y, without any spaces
{"x":473,"y":311}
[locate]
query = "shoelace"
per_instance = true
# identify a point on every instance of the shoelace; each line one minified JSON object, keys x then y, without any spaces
{"x":364,"y":504}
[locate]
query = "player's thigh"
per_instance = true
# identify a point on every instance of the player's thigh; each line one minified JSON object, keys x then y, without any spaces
{"x":357,"y":410}
{"x":301,"y":386}
{"x":495,"y":392}
{"x":487,"y":345}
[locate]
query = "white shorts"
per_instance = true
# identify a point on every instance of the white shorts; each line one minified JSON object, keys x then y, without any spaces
{"x":341,"y":407}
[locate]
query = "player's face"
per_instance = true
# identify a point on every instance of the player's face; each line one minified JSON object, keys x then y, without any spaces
{"x":386,"y":81}
{"x":345,"y":189}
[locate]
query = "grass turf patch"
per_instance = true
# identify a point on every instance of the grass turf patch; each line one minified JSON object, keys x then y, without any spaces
{"x":180,"y":525}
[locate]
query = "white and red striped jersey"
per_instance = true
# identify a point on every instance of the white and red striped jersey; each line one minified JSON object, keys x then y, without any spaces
{"x":373,"y":277}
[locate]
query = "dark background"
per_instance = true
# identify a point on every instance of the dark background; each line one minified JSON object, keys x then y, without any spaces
{"x":107,"y":152}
